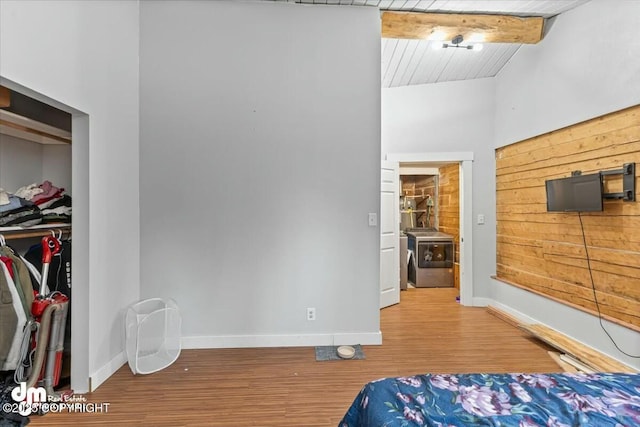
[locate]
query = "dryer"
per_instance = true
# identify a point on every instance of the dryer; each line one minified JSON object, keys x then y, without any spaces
{"x":432,"y":258}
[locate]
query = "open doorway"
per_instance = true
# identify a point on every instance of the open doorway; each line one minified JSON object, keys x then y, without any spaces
{"x":430,"y":222}
{"x":443,"y":216}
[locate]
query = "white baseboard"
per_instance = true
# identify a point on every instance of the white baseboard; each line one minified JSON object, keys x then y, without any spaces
{"x":575,"y":324}
{"x":515,"y":313}
{"x":240,"y":341}
{"x":482,"y":302}
{"x":110,"y":368}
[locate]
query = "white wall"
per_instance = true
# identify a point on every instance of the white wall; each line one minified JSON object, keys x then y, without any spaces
{"x":85,"y":55}
{"x":20,"y":163}
{"x":56,"y":166}
{"x":451,"y":117}
{"x":587,"y":65}
{"x":260,"y":159}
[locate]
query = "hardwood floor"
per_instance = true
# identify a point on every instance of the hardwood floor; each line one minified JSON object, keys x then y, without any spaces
{"x":427,"y":332}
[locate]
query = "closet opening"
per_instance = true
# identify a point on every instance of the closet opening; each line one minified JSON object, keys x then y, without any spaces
{"x":44,"y":195}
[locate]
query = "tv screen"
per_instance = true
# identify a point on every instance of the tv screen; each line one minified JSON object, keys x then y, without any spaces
{"x":580,"y":193}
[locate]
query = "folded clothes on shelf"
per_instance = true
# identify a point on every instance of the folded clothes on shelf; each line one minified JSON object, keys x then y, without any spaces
{"x":4,"y":197}
{"x":34,"y":204}
{"x":21,"y":215}
{"x":63,"y":200}
{"x":28,"y":192}
{"x":14,"y":203}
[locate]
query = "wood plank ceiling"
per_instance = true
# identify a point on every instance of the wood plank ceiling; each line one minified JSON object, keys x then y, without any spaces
{"x":414,"y":61}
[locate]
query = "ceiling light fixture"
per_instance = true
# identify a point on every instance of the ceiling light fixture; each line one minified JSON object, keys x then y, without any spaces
{"x":457,"y":43}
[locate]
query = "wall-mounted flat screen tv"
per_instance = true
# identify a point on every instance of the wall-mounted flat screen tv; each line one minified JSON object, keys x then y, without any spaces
{"x":580,"y":193}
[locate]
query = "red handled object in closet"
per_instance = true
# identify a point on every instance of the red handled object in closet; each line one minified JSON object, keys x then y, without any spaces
{"x":50,"y":247}
{"x":52,"y":366}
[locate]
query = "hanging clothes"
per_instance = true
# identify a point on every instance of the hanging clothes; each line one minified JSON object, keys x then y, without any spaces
{"x":8,"y":262}
{"x":8,"y":318}
{"x":16,"y":287}
{"x":13,"y":356}
{"x":22,"y":278}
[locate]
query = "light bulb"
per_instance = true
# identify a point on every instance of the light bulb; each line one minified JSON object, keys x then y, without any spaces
{"x":477,"y":47}
{"x":437,"y":45}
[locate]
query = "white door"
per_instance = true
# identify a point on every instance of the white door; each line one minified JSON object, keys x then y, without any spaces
{"x":389,"y":235}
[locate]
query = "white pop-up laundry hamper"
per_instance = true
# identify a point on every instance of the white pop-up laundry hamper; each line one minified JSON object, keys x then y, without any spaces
{"x":152,"y":335}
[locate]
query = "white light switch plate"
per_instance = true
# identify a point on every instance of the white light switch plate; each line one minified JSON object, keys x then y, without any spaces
{"x":481,"y":219}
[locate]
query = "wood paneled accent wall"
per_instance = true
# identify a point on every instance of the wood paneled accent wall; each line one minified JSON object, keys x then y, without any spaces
{"x":542,"y":251}
{"x":419,"y":187}
{"x":449,"y":208}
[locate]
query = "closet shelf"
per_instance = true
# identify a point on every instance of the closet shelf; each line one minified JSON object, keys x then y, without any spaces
{"x":25,"y":128}
{"x":12,"y":233}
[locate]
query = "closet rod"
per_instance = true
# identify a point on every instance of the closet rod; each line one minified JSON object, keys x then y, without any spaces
{"x":13,"y":234}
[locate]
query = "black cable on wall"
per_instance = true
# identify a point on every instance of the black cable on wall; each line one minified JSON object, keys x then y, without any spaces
{"x":595,"y":297}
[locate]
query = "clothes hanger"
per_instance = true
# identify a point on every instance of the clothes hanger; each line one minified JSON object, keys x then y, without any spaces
{"x":58,"y":237}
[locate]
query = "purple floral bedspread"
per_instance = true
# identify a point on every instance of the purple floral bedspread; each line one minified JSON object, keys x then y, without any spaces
{"x":519,"y":400}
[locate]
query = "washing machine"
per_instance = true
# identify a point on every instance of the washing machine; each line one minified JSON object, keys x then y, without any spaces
{"x":431,"y":260}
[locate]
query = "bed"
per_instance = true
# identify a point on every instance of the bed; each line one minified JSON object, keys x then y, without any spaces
{"x":519,"y":400}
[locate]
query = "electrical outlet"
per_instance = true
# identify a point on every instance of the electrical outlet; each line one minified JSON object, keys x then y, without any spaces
{"x":311,"y":313}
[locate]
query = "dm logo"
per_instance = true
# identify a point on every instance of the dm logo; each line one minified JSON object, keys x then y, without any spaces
{"x":28,"y":398}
